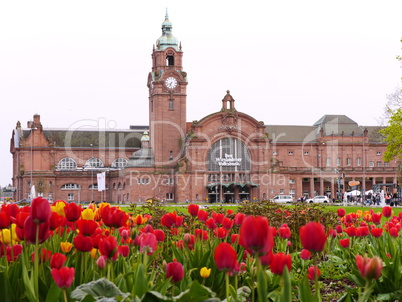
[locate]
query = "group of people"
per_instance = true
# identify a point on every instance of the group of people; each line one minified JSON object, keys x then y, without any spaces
{"x":375,"y":199}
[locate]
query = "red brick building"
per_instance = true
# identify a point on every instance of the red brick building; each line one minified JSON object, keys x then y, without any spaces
{"x":227,"y":155}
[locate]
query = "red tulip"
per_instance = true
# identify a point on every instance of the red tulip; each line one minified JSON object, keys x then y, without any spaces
{"x":202,"y":215}
{"x":83,"y":243}
{"x":339,"y":229}
{"x":175,"y":271}
{"x":376,"y":218}
{"x":238,"y":219}
{"x":376,"y":232}
{"x":210,"y":223}
{"x":193,"y":209}
{"x":341,"y":212}
{"x":227,"y":223}
{"x":349,"y":218}
{"x":20,"y":218}
{"x":16,"y":251}
{"x":147,"y":229}
{"x":40,"y":210}
{"x":351,"y":231}
{"x":225,"y":257}
{"x":279,"y":262}
{"x":369,"y":268}
{"x":170,"y":220}
{"x":72,"y":211}
{"x":217,"y":217}
{"x":394,"y":232}
{"x":148,"y":243}
{"x":5,"y":220}
{"x":266,"y":259}
{"x":114,"y":217}
{"x":63,"y":276}
{"x":234,"y":238}
{"x":201,"y":234}
{"x":87,"y":227}
{"x":313,"y":272}
{"x":305,"y":254}
{"x":11,"y":209}
{"x":363,"y":231}
{"x":30,"y":230}
{"x":220,"y":233}
{"x":345,"y":243}
{"x":55,"y":220}
{"x":256,"y":235}
{"x":313,"y":236}
{"x":57,"y":260}
{"x":123,"y":250}
{"x":160,"y":235}
{"x":108,"y":246}
{"x":387,"y":211}
{"x":284,"y":232}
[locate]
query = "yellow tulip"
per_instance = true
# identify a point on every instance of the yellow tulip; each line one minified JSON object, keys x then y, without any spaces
{"x":5,"y":237}
{"x":94,"y":253}
{"x":359,"y":213}
{"x":66,"y":246}
{"x":14,"y":233}
{"x":59,"y":208}
{"x":205,"y":272}
{"x":88,"y":214}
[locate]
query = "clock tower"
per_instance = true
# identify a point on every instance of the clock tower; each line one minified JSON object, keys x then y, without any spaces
{"x":167,"y":83}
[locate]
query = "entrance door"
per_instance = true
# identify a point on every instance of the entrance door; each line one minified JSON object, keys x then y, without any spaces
{"x":244,"y":193}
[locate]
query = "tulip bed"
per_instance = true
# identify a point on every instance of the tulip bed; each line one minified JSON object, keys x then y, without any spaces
{"x":263,"y":252}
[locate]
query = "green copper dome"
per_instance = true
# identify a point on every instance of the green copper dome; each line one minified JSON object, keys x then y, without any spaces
{"x":167,"y":39}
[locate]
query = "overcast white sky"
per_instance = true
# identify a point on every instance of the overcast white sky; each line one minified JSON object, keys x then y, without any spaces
{"x":284,"y":62}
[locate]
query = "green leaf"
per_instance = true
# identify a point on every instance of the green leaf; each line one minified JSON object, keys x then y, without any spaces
{"x":262,"y":286}
{"x":6,"y":291}
{"x":54,"y":293}
{"x":141,"y":282}
{"x":27,"y":281}
{"x":286,"y":294}
{"x":305,"y":294}
{"x":98,"y":289}
{"x":195,"y":293}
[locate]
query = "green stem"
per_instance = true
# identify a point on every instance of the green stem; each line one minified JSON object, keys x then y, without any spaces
{"x":227,"y":287}
{"x":36,"y":263}
{"x":316,"y":283}
{"x":65,"y":295}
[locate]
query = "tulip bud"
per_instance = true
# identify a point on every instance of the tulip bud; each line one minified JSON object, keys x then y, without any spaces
{"x":205,"y":272}
{"x":101,"y":262}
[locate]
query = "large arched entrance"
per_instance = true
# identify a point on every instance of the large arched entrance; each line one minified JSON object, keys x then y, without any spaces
{"x":228,"y":165}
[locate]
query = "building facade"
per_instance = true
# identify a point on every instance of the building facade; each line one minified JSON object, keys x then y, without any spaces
{"x":225,"y":156}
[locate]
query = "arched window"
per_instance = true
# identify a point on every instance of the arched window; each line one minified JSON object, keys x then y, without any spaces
{"x":228,"y":154}
{"x":93,"y":187}
{"x":94,"y":162}
{"x":70,"y":186}
{"x":67,"y":163}
{"x":120,"y":163}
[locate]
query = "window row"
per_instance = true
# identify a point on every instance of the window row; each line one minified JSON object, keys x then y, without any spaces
{"x":291,"y":152}
{"x":371,"y":163}
{"x":68,"y":163}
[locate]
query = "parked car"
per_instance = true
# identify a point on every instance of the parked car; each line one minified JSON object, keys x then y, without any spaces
{"x":318,"y":199}
{"x":282,"y":199}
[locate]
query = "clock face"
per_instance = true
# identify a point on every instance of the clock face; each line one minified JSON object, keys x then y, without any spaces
{"x":171,"y":82}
